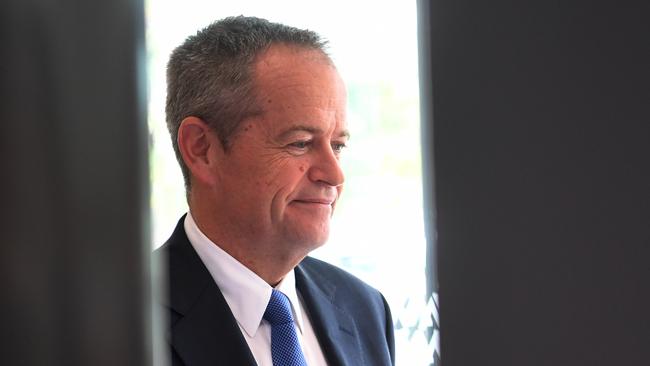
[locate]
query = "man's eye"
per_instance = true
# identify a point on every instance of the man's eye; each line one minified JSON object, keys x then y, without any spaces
{"x":300,"y":144}
{"x":339,"y":146}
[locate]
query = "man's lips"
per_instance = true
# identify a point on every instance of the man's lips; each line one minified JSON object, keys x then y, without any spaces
{"x":318,"y":201}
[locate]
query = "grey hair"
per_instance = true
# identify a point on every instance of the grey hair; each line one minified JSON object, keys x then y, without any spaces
{"x":210,"y":76}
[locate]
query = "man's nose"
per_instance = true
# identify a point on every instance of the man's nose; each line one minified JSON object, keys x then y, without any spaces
{"x":326,"y":168}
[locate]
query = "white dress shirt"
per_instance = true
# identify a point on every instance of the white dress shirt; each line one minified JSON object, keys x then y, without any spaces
{"x":247,"y":296}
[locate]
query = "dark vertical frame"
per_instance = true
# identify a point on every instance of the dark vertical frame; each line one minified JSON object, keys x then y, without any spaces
{"x":428,"y":177}
{"x":74,"y":262}
{"x":537,"y":117}
{"x":426,"y":133}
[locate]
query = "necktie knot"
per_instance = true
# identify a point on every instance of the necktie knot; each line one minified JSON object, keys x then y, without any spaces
{"x":278,"y":311}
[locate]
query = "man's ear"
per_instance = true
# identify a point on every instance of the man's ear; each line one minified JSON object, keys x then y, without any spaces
{"x":197,"y":143}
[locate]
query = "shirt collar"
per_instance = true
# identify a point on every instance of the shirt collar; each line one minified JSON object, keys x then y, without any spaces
{"x":245,"y":292}
{"x":288,"y":287}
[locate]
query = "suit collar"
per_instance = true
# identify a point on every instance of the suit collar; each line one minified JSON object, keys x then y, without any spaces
{"x":335,"y":328}
{"x":245,"y":292}
{"x":204,"y":319}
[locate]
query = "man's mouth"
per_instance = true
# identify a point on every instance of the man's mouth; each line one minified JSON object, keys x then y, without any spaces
{"x":316,"y":201}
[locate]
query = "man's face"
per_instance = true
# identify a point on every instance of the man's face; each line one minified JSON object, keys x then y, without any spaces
{"x":281,"y":178}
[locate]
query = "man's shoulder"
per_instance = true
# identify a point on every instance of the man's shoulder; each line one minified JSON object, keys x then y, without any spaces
{"x":314,"y":266}
{"x":175,"y":243}
{"x":325,"y":273}
{"x":364,"y":306}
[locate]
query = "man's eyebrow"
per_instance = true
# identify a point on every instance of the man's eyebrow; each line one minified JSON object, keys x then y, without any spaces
{"x":309,"y":129}
{"x":345,"y":133}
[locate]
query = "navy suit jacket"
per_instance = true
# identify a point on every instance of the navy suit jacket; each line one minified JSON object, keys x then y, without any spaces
{"x":352,"y":320}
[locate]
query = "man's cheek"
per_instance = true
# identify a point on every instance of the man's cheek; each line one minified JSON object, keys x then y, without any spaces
{"x":276,"y":171}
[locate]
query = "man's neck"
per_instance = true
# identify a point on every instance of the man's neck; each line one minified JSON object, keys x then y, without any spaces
{"x":257,"y":254}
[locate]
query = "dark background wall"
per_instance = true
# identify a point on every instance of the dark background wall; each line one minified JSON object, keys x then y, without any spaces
{"x":74,"y":225}
{"x":539,"y":117}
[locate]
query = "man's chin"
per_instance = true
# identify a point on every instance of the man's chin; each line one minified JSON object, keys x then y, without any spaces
{"x":308,"y":240}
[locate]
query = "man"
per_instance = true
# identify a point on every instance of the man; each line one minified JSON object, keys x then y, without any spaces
{"x":256,"y":111}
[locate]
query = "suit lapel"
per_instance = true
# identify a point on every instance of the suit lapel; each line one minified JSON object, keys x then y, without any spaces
{"x":335,"y":329}
{"x":204,"y":332}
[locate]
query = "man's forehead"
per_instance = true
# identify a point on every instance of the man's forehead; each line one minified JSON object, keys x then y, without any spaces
{"x":284,"y":63}
{"x":287,"y":131}
{"x":299,"y":90}
{"x":281,"y":62}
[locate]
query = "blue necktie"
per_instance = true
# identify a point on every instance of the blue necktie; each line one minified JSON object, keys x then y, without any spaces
{"x":285,"y":349}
